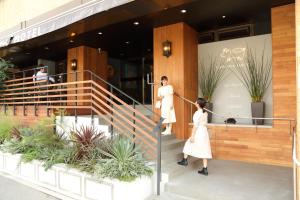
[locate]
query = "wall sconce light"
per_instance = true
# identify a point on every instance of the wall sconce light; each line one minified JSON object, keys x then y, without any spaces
{"x":167,"y":48}
{"x":74,"y":64}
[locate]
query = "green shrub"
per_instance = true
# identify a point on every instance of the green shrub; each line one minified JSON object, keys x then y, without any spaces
{"x":6,"y":125}
{"x":87,"y":150}
{"x":123,"y":162}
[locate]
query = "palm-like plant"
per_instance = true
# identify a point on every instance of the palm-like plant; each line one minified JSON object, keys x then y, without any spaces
{"x":210,"y":76}
{"x":255,"y":74}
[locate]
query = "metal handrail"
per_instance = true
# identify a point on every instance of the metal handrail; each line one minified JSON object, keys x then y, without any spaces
{"x":121,"y":92}
{"x":237,"y":117}
{"x":155,"y":131}
{"x":101,"y":79}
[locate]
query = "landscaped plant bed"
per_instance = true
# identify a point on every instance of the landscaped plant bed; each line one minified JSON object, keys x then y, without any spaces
{"x":69,"y":183}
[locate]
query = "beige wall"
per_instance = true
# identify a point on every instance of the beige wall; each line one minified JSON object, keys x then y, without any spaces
{"x":13,"y":12}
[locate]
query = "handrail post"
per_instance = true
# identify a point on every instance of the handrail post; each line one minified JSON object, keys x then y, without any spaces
{"x":111,"y":112}
{"x":133,"y":136}
{"x":24,"y":108}
{"x":34,"y":79}
{"x":75,"y":109}
{"x":48,"y":113}
{"x":158,"y":161}
{"x":92,"y":114}
{"x":14,"y":106}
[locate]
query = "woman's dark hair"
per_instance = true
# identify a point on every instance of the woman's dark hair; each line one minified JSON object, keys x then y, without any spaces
{"x":163,"y":78}
{"x":201,"y":102}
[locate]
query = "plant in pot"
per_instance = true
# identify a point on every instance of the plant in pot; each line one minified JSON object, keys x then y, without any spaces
{"x":255,"y":74}
{"x":211,"y":73}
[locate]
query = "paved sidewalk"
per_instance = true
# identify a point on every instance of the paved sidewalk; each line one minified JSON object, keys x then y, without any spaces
{"x":12,"y":190}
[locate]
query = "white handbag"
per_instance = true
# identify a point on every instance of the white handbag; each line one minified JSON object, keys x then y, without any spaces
{"x":157,"y":104}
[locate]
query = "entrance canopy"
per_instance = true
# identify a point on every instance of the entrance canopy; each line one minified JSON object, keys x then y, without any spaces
{"x":109,"y":25}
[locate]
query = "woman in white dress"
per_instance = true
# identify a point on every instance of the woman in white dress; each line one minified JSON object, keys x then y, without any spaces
{"x":198,"y":145}
{"x":165,"y":96}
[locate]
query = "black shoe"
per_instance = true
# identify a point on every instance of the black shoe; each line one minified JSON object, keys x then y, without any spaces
{"x":183,"y":162}
{"x":203,"y":171}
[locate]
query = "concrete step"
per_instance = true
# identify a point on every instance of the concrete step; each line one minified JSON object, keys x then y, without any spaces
{"x":171,"y":144}
{"x":171,"y":156}
{"x":173,"y":170}
{"x":170,"y":196}
{"x":167,"y":137}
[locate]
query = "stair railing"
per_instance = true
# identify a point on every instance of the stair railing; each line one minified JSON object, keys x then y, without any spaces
{"x":85,"y":91}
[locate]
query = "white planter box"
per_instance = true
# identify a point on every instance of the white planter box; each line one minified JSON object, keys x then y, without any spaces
{"x":68,"y":183}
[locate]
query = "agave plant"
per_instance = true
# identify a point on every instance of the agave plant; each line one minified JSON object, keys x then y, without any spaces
{"x":210,"y":76}
{"x":122,"y":162}
{"x":254,"y":73}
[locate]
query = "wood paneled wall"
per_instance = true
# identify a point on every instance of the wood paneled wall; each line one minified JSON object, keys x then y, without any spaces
{"x":181,"y":68}
{"x":284,"y":61}
{"x":267,"y":145}
{"x":87,"y":59}
{"x":298,"y":90}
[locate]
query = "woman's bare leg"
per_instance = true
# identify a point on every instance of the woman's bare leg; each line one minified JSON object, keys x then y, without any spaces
{"x":205,"y":163}
{"x":185,"y":156}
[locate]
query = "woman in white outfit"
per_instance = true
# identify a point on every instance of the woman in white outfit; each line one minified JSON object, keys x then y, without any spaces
{"x":198,"y":145}
{"x":165,"y":95}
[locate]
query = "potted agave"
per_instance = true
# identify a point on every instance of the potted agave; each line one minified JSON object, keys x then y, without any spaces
{"x":211,"y":73}
{"x":255,"y":74}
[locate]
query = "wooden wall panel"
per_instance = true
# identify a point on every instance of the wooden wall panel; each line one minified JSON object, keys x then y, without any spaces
{"x":297,"y":8}
{"x":87,"y":59}
{"x":284,"y":61}
{"x":180,"y":67}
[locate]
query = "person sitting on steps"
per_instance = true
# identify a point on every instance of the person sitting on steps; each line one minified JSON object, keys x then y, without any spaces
{"x":198,"y":145}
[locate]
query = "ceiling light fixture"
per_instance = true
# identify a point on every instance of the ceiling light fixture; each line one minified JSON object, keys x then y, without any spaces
{"x":71,"y":41}
{"x":223,"y":16}
{"x":72,"y":34}
{"x":136,"y":23}
{"x":100,"y":33}
{"x":127,"y":42}
{"x":183,"y":11}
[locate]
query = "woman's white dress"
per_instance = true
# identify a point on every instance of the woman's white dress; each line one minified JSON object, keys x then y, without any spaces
{"x":200,"y":148}
{"x":167,"y":104}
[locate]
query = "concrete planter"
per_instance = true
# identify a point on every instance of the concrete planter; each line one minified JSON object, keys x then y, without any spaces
{"x":258,"y":110}
{"x":209,"y":106}
{"x":67,"y":183}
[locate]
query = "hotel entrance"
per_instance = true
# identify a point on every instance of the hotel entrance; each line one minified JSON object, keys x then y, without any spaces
{"x":238,"y":56}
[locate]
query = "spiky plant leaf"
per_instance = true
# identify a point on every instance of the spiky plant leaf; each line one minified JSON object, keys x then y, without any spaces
{"x":211,"y":74}
{"x":254,"y":73}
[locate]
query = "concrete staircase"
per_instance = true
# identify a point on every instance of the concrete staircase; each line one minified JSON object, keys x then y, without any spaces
{"x":171,"y":154}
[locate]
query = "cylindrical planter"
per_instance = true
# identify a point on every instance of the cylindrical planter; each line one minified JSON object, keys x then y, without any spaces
{"x":258,"y":110}
{"x":209,"y":106}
